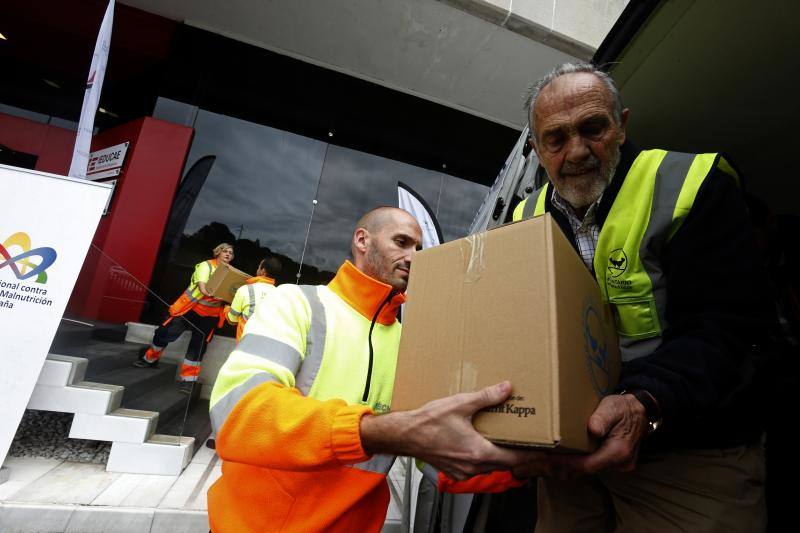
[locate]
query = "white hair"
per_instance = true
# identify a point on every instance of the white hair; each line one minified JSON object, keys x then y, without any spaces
{"x":573,"y":68}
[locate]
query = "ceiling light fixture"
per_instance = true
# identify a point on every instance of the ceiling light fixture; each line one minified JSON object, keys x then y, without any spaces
{"x":107,"y":112}
{"x":3,"y":37}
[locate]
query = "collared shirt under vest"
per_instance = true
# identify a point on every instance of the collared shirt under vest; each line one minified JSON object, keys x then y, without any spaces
{"x":652,"y":202}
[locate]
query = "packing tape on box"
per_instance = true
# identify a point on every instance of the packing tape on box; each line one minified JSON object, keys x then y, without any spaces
{"x":472,"y":255}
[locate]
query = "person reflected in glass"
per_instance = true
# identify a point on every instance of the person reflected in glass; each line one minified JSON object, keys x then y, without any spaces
{"x":252,"y":292}
{"x":196,"y":310}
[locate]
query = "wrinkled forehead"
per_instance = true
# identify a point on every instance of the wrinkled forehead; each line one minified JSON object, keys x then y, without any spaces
{"x":572,"y":93}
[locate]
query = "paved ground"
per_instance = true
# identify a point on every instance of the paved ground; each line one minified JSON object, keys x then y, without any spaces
{"x":53,"y":495}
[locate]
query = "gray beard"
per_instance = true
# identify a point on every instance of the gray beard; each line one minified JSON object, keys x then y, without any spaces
{"x":578,"y":196}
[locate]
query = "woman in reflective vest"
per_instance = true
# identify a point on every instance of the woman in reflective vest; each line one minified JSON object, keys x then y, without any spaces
{"x":199,"y":312}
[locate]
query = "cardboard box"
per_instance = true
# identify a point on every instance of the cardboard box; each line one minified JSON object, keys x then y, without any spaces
{"x":515,"y":303}
{"x":225,"y":280}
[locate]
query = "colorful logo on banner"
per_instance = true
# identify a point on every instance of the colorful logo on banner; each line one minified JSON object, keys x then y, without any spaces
{"x":24,"y":265}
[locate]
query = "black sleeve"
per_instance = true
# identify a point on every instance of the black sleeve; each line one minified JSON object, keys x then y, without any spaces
{"x":717,"y":308}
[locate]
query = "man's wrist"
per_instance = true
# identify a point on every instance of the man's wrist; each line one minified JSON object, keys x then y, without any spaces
{"x":383,"y":433}
{"x":652,"y":410}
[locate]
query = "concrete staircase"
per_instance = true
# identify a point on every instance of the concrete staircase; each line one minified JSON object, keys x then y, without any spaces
{"x":138,"y":410}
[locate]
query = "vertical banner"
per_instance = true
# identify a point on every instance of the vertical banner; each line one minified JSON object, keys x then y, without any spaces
{"x":91,"y":97}
{"x":45,"y":231}
{"x":412,"y":202}
{"x":182,"y":205}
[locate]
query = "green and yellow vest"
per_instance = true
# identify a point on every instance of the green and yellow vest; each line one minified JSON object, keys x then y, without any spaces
{"x":656,"y":196}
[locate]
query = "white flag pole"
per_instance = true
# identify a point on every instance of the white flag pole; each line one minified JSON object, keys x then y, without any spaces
{"x":91,"y":97}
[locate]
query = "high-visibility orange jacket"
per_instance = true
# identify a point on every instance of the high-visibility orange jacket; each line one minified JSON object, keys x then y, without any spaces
{"x":194,"y":300}
{"x":287,"y":406}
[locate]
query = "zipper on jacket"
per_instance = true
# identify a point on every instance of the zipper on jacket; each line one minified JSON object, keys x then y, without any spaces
{"x":369,"y":341}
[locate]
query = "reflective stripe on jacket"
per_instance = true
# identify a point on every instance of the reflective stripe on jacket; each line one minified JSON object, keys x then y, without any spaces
{"x":287,"y":406}
{"x":656,"y":196}
{"x":194,"y":300}
{"x":244,"y":301}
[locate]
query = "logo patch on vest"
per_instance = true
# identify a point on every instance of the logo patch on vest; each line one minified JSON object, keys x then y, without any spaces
{"x":381,"y":408}
{"x":595,"y":346}
{"x":617,"y":262}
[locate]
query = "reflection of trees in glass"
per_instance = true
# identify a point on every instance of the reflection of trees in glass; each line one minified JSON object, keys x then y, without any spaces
{"x":259,"y":190}
{"x":262,"y":182}
{"x":247,"y":254}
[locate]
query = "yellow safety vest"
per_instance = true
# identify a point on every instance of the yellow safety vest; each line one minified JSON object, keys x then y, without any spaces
{"x":194,"y":300}
{"x":655,"y":197}
{"x":311,"y":338}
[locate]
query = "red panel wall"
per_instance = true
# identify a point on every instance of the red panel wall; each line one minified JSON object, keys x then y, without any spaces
{"x":120,"y":264}
{"x":129,"y":236}
{"x":52,"y":144}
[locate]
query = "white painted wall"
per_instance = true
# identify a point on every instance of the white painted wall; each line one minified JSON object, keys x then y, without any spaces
{"x":474,"y":56}
{"x":585,"y":22}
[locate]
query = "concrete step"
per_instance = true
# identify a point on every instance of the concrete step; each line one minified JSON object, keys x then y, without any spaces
{"x":98,"y":415}
{"x":167,"y":401}
{"x":122,"y":425}
{"x":71,"y":334}
{"x":103,"y":356}
{"x":138,"y":381}
{"x":142,"y":334}
{"x":100,"y":365}
{"x":96,"y":349}
{"x":62,"y":370}
{"x":194,"y":423}
{"x":164,"y":455}
{"x":144,"y":389}
{"x":110,"y":332}
{"x":81,"y":397}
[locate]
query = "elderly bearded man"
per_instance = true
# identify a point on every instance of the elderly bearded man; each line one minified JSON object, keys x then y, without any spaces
{"x":668,"y":239}
{"x":295,"y":404}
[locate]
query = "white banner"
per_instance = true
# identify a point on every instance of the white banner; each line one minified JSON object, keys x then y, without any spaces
{"x":91,"y":97}
{"x":412,"y":202}
{"x":47,"y":225}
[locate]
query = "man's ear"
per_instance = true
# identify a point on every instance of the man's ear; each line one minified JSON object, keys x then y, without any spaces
{"x":623,"y":123}
{"x":533,"y":145}
{"x":361,"y":240}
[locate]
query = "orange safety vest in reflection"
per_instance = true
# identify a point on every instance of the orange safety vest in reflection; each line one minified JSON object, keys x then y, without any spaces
{"x":194,"y":300}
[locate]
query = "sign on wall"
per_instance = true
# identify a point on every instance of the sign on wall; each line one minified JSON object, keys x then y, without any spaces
{"x":107,"y":162}
{"x":46,"y":227}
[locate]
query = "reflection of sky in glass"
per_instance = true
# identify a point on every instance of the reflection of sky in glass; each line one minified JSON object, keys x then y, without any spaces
{"x":355,"y":182}
{"x":263,"y":179}
{"x":458,"y":204}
